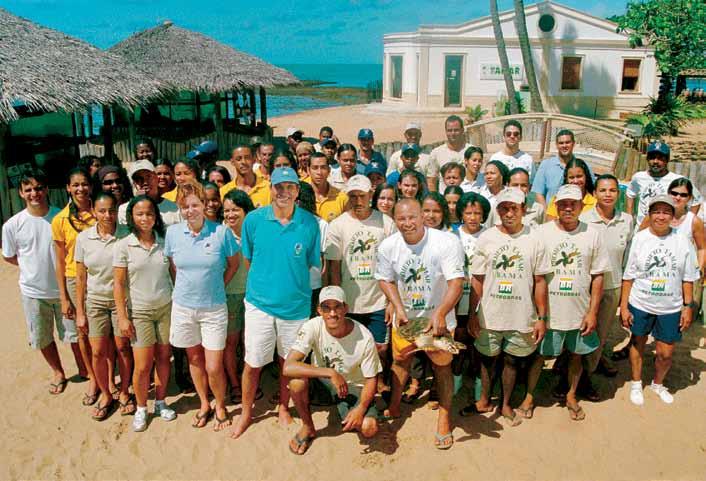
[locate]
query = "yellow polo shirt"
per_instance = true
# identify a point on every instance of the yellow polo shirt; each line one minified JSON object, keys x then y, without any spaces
{"x":63,"y":231}
{"x":333,"y":205}
{"x":259,"y":194}
{"x":589,"y":202}
{"x":171,"y":195}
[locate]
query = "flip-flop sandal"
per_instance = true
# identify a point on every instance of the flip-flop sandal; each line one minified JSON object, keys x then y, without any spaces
{"x":513,"y":420}
{"x":124,"y":407}
{"x":115,"y":393}
{"x":577,"y":413}
{"x":58,"y":387}
{"x":304,"y":442}
{"x":236,"y":395}
{"x":219,"y":421}
{"x":441,"y":441}
{"x":525,"y":413}
{"x":89,"y":399}
{"x":102,"y":412}
{"x":410,"y":397}
{"x":201,"y":420}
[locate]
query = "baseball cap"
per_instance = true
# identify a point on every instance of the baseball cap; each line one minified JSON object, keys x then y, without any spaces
{"x":332,"y":293}
{"x":658,"y":146}
{"x":511,"y":194}
{"x":373,"y":168}
{"x":139,"y":165}
{"x":284,"y":174}
{"x":293,"y":130}
{"x":192,"y":154}
{"x":406,"y":148}
{"x":413,"y":126}
{"x":328,"y":141}
{"x":662,"y":199}
{"x":365,"y":134}
{"x":358,"y":182}
{"x":568,"y":192}
{"x":207,"y":147}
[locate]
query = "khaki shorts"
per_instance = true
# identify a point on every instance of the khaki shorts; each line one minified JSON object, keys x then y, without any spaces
{"x":516,"y":343}
{"x":102,"y":318}
{"x":41,"y":316}
{"x":236,"y":312}
{"x":152,"y":325}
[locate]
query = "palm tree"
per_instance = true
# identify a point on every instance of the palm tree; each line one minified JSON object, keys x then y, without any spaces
{"x":502,"y":53}
{"x":521,"y":27}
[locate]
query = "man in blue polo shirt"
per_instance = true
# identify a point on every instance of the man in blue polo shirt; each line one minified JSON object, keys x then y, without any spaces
{"x":366,"y":153}
{"x":279,"y":243}
{"x":550,"y":175}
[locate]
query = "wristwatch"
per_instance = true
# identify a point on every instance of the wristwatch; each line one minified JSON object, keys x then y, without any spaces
{"x":542,"y":318}
{"x":692,"y":305}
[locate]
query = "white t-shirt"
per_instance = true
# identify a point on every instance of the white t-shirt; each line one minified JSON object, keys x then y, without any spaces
{"x":355,"y":356}
{"x":29,"y":238}
{"x":575,"y":256}
{"x":442,"y":155}
{"x":422,"y":270}
{"x":355,"y":243}
{"x":315,"y":272}
{"x":658,"y":266}
{"x":168,"y":209}
{"x":520,"y":159}
{"x":469,"y":242}
{"x":647,"y":187}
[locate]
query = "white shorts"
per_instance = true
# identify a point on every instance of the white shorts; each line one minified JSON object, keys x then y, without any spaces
{"x":263,"y":333}
{"x":206,"y":326}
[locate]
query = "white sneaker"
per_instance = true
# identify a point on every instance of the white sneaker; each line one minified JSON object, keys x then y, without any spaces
{"x":139,"y":421}
{"x":636,"y":396}
{"x":163,"y":411}
{"x":662,"y":392}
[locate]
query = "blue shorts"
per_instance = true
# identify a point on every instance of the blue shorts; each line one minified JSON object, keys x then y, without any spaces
{"x":664,"y":327}
{"x":375,"y":322}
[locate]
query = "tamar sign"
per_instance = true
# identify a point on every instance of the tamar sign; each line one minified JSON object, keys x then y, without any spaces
{"x":492,"y":71}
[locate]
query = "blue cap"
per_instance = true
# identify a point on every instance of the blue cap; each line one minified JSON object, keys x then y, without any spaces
{"x":328,"y":140}
{"x":411,"y":147}
{"x":658,"y":146}
{"x":207,"y":147}
{"x":192,"y":154}
{"x":284,"y":174}
{"x":374,"y":168}
{"x":365,"y":134}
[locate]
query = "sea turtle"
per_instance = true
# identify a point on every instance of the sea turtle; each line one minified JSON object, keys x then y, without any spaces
{"x":413,"y":332}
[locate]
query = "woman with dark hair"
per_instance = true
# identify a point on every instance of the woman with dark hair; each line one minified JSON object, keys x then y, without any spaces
{"x":214,"y":206}
{"x":496,"y":176}
{"x":77,"y":216}
{"x":307,"y":201}
{"x":90,"y":163}
{"x":218,"y":175}
{"x":113,"y":179}
{"x":474,"y":179}
{"x":236,"y":205}
{"x":385,"y":198}
{"x":165,"y":175}
{"x":283,"y":158}
{"x":435,"y":211}
{"x":141,"y":268}
{"x":184,"y":170}
{"x":347,"y":156}
{"x":577,"y":173}
{"x":453,"y":194}
{"x":96,"y":314}
{"x":410,"y":185}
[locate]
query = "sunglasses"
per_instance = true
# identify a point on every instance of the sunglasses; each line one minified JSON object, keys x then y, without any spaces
{"x":512,"y":134}
{"x":683,"y":195}
{"x":111,"y":182}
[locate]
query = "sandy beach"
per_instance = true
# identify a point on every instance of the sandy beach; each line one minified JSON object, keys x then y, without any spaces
{"x":53,"y":437}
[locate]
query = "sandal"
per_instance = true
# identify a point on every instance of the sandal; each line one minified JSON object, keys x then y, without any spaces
{"x":58,"y":387}
{"x":525,"y":413}
{"x":128,"y":407}
{"x":102,"y":412}
{"x":299,"y":443}
{"x":412,"y":394}
{"x":225,"y":421}
{"x":441,"y":441}
{"x":513,"y":420}
{"x":89,"y":399}
{"x":201,"y":420}
{"x":577,"y":413}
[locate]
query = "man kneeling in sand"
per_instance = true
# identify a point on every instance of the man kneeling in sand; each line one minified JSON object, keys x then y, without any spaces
{"x":344,"y":358}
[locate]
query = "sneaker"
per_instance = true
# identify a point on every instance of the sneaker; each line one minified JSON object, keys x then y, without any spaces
{"x":662,"y":392}
{"x":636,"y":396}
{"x":139,"y":421}
{"x":163,"y":411}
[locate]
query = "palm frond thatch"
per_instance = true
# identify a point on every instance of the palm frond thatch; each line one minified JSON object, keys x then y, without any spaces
{"x":192,"y":61}
{"x":46,"y":70}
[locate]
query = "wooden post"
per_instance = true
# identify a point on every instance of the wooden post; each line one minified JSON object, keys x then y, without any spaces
{"x":543,"y":142}
{"x":263,"y":106}
{"x":107,"y":135}
{"x":253,"y":108}
{"x":131,"y":132}
{"x":197,"y":101}
{"x":6,"y":209}
{"x":218,"y":122}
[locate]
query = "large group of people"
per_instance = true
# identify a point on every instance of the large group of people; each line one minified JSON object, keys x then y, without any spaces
{"x":311,"y":258}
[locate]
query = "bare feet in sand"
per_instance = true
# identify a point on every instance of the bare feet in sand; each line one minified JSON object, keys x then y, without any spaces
{"x":242,"y":423}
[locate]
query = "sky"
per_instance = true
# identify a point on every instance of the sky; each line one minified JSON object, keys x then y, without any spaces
{"x":278,"y":31}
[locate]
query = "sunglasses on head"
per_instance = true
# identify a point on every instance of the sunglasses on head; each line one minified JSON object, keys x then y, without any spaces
{"x":683,"y":195}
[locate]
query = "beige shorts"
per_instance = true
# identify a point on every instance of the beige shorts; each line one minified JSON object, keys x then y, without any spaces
{"x":265,"y":333}
{"x":516,"y":343}
{"x":206,"y":326}
{"x":102,"y":318}
{"x":151,"y":325}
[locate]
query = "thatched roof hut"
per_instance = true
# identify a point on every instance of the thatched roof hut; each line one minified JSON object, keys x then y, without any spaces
{"x":192,"y":61}
{"x":45,"y":70}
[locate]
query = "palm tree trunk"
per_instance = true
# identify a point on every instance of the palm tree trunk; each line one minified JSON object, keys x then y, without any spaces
{"x":504,"y":62}
{"x":521,"y":27}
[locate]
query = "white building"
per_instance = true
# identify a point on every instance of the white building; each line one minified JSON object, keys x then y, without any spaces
{"x":583,"y":66}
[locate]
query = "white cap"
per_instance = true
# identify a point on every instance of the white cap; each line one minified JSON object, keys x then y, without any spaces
{"x":568,"y":192}
{"x":332,"y":293}
{"x":662,"y":199}
{"x":414,"y":125}
{"x":511,"y":194}
{"x":293,"y":130}
{"x":142,"y":164}
{"x":358,"y":182}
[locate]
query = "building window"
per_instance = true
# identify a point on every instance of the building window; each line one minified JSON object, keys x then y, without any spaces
{"x":396,"y":76}
{"x":571,"y":73}
{"x":631,"y":75}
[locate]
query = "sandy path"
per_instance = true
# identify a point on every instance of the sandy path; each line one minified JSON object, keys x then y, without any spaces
{"x":52,"y":437}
